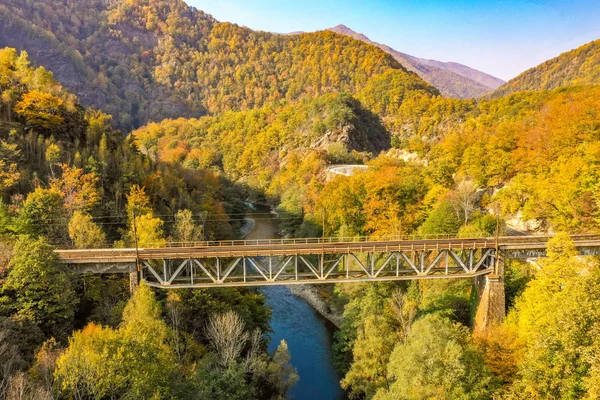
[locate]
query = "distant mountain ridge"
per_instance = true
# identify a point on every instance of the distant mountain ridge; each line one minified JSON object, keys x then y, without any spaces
{"x":580,"y":66}
{"x":450,"y":78}
{"x":147,"y":60}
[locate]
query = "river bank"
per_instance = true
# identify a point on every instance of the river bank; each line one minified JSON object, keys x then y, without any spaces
{"x":309,"y":294}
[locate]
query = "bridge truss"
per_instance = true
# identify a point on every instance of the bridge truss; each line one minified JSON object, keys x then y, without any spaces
{"x":253,"y":270}
{"x":312,"y":260}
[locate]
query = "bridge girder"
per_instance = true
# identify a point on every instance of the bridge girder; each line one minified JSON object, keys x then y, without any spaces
{"x":311,"y":268}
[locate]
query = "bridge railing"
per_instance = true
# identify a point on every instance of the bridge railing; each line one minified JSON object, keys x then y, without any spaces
{"x":316,"y":240}
{"x":504,"y":240}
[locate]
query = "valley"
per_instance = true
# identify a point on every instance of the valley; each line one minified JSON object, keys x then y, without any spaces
{"x":142,"y":124}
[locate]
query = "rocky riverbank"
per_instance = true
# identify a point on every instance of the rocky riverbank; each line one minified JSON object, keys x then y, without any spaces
{"x":249,"y":225}
{"x":309,"y":294}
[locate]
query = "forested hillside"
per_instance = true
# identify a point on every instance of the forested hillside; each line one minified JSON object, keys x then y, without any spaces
{"x":228,"y":115}
{"x":451,"y":79}
{"x":67,"y":178}
{"x":580,"y":66}
{"x":148,"y":60}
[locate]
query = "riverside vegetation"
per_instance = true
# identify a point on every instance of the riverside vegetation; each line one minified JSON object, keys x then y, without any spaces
{"x":271,"y":112}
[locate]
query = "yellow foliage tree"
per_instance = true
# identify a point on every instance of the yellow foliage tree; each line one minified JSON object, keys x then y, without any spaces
{"x":84,"y":232}
{"x":133,"y":361}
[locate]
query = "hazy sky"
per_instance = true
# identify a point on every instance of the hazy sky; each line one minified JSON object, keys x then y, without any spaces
{"x":502,"y":38}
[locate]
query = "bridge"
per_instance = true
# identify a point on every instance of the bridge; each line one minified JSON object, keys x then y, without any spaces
{"x":327,"y":260}
{"x":314,"y":260}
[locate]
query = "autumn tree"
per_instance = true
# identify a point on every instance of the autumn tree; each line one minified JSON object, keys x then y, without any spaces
{"x":104,"y":362}
{"x":143,"y":226}
{"x":464,"y":200}
{"x":556,"y":318}
{"x":40,"y":110}
{"x":84,"y":232}
{"x":78,"y":189}
{"x":186,"y":229}
{"x":9,"y":173}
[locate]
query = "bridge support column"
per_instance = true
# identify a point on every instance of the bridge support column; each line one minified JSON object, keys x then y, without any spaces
{"x":133,"y":281}
{"x":491,"y":306}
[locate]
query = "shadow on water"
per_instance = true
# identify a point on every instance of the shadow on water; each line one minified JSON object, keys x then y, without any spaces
{"x":307,"y":335}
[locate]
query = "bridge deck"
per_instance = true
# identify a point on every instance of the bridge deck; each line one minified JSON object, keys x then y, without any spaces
{"x":266,"y":248}
{"x":298,"y":261}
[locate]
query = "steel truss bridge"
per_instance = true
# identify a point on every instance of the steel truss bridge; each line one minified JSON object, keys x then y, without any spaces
{"x":301,"y":261}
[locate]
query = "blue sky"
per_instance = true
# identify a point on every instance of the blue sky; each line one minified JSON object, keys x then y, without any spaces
{"x":502,"y":38}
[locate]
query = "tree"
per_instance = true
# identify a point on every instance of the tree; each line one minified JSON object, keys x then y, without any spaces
{"x":464,"y":200}
{"x":214,"y":382}
{"x":78,"y":189}
{"x":9,"y":173}
{"x":148,"y":230}
{"x":133,"y":361}
{"x":363,"y":301}
{"x":404,"y":310}
{"x":437,"y":361}
{"x":42,"y":214}
{"x":84,"y":232}
{"x":138,"y":202}
{"x":556,"y":319}
{"x":227,"y":336}
{"x":371,"y":352}
{"x":280,"y":373}
{"x":52,"y":155}
{"x":236,"y":368}
{"x":185,"y":228}
{"x":6,"y":225}
{"x":40,"y":110}
{"x":10,"y":360}
{"x":42,"y":287}
{"x":199,"y":305}
{"x":442,"y":220}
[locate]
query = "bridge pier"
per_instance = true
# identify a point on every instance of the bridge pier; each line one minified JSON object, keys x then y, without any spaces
{"x":134,"y":281}
{"x":492,"y":300}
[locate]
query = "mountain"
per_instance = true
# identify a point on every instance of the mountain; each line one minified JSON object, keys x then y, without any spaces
{"x":462,"y":70}
{"x":580,"y":66}
{"x":451,"y":79}
{"x":148,"y":60}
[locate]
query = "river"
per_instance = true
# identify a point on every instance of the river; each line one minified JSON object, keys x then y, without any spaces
{"x":306,"y":334}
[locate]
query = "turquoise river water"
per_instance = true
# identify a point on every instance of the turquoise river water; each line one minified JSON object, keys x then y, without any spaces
{"x":307,"y":335}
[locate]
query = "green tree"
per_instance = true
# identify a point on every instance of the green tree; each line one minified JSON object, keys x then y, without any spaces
{"x":437,"y":361}
{"x":42,"y":287}
{"x":442,"y":220}
{"x":42,"y":214}
{"x":371,"y":351}
{"x":6,"y":225}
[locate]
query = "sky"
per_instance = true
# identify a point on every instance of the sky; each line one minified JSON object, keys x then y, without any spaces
{"x":500,"y":37}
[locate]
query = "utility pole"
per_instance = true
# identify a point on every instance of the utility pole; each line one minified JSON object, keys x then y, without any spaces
{"x":134,"y":281}
{"x":497,"y":250}
{"x":323,"y":234}
{"x":323,"y":245}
